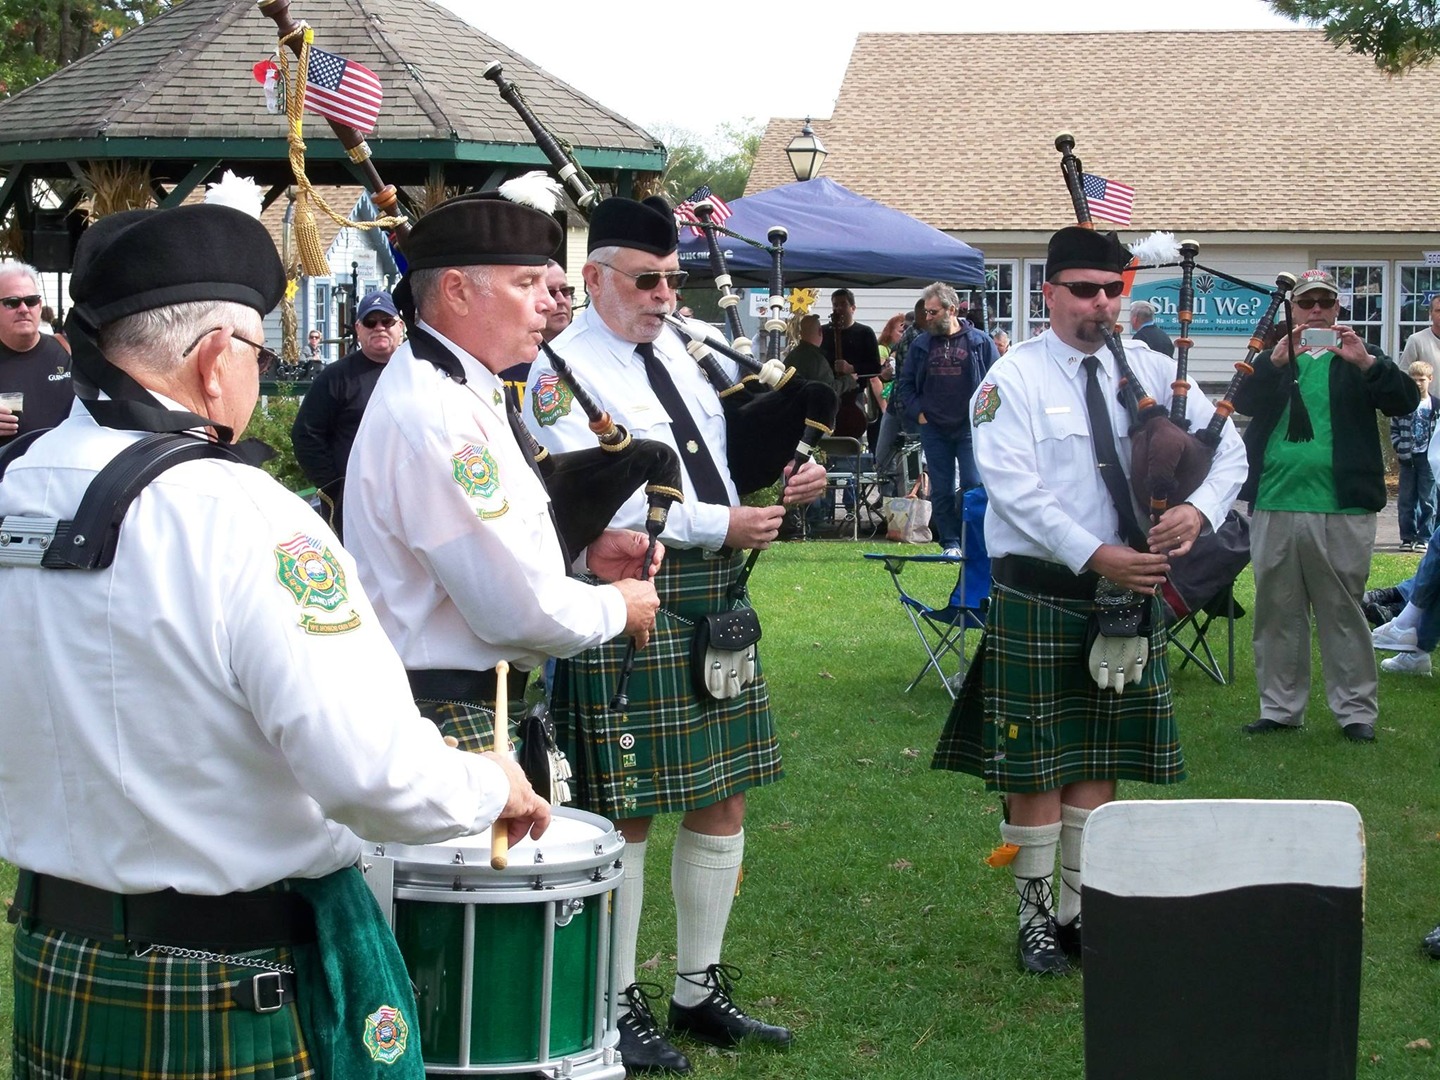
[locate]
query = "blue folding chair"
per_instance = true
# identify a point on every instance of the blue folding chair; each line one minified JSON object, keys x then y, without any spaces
{"x":941,"y":628}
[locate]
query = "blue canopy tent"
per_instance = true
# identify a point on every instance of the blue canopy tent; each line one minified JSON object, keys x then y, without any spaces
{"x":835,"y":238}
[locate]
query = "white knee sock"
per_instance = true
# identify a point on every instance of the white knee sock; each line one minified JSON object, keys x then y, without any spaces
{"x":703,"y":872}
{"x":1409,"y":616}
{"x":629,"y":899}
{"x":1035,"y":861}
{"x":1072,"y":827}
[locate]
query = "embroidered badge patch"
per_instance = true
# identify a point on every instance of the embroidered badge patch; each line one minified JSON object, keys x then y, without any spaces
{"x":987,"y":404}
{"x":315,"y":579}
{"x":474,"y":469}
{"x":550,"y":400}
{"x":386,"y":1034}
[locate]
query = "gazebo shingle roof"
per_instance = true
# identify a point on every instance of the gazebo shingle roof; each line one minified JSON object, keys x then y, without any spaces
{"x":1216,"y":131}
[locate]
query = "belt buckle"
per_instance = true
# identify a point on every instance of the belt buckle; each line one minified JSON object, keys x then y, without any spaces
{"x":279,"y":992}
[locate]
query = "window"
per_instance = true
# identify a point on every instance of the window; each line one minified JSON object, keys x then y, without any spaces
{"x":1037,"y":318}
{"x":1362,"y":298}
{"x":1418,"y":283}
{"x":999,"y":296}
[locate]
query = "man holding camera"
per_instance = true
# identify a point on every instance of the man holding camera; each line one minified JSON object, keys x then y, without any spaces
{"x":1317,"y":480}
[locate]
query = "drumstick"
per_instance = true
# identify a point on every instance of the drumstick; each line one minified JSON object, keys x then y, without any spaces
{"x":499,"y":837}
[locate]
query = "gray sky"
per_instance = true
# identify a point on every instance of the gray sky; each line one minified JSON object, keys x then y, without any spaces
{"x":785,"y":59}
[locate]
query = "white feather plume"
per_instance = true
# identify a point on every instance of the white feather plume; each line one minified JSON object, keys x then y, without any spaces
{"x":237,"y":192}
{"x":1157,"y":248}
{"x":537,"y":190}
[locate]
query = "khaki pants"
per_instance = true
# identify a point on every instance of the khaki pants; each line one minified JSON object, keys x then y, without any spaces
{"x":1316,"y":563}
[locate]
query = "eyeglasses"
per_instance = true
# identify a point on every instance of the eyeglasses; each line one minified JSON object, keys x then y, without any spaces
{"x":1088,"y":290}
{"x":371,"y":322}
{"x":930,"y":313}
{"x":1325,"y":301}
{"x":264,"y":358}
{"x":651,"y":278}
{"x":567,"y":291}
{"x":13,"y":302}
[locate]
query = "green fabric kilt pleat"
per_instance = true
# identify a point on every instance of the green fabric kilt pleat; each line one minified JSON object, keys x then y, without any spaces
{"x":671,"y":750}
{"x":1029,"y":718}
{"x":472,"y":725}
{"x":86,"y":1010}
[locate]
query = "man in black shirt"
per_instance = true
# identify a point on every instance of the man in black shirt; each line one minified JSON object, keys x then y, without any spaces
{"x":858,"y":348}
{"x":32,"y":365}
{"x":329,"y":416}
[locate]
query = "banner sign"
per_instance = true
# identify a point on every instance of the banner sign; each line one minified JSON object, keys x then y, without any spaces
{"x":1221,"y":308}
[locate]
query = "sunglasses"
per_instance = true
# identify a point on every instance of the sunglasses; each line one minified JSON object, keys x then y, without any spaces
{"x":1325,"y":302}
{"x":13,"y":302}
{"x":1088,"y":290}
{"x":264,"y":358}
{"x":651,"y":278}
{"x":371,"y":322}
{"x":569,"y":292}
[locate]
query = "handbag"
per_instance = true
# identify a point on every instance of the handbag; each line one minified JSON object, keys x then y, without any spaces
{"x":907,"y":517}
{"x":723,"y":658}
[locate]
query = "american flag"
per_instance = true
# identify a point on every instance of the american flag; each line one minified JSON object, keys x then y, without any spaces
{"x":1108,"y":199}
{"x":685,"y":212}
{"x":342,"y":90}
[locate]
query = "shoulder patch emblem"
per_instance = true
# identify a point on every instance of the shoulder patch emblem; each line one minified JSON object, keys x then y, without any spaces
{"x":987,"y":404}
{"x":550,"y":400}
{"x":313,"y":576}
{"x":386,"y":1034}
{"x":474,"y":469}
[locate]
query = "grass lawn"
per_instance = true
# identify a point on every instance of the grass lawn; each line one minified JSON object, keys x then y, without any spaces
{"x":868,"y":920}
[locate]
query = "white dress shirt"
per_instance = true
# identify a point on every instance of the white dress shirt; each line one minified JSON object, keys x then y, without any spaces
{"x":451,"y":527}
{"x":219,"y":708}
{"x":608,"y":366}
{"x":1037,"y":460}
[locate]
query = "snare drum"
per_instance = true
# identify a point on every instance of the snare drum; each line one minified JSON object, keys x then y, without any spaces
{"x":512,"y":968}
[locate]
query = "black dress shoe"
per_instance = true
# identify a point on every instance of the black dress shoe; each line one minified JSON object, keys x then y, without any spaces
{"x":642,"y":1047}
{"x":718,"y":1020}
{"x":1040,"y":952}
{"x":1067,"y":936}
{"x":1265,"y":725}
{"x":1359,"y":732}
{"x":1431,"y":944}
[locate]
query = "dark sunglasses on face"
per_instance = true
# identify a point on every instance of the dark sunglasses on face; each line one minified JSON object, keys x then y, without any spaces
{"x":651,"y":278}
{"x":370,"y":322}
{"x":264,"y":358}
{"x":1324,"y":301}
{"x":569,"y":292}
{"x":13,"y":302}
{"x":1088,"y":290}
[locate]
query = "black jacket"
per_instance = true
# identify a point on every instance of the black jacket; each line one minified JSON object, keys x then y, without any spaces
{"x":1156,"y":338}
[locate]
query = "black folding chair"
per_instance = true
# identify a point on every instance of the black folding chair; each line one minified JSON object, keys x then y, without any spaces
{"x":1201,"y":590}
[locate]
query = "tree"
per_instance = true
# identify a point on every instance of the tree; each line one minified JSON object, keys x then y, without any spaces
{"x":46,"y":35}
{"x":723,"y":162}
{"x":1397,"y":34}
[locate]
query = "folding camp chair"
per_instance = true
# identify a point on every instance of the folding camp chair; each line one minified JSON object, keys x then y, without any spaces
{"x":1201,"y":590}
{"x":941,"y":629}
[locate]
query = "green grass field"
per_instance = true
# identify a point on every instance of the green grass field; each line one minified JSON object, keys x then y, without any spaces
{"x":868,"y":920}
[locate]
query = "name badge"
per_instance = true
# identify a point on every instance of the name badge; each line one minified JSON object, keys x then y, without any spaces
{"x":1056,"y":410}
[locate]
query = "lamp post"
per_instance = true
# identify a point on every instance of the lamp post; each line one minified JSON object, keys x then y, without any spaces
{"x":806,"y":153}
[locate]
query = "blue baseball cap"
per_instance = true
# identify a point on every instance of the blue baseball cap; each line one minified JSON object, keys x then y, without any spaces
{"x":379,"y":300}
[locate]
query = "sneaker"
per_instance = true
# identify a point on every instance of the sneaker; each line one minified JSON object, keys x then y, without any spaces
{"x":951,"y":552}
{"x":1390,"y":638}
{"x":1421,"y":545}
{"x":1387,"y":597}
{"x":1431,"y":944}
{"x":1407,"y":545}
{"x":1407,"y":663}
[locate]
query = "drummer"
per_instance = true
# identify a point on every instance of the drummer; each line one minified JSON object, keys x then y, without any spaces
{"x":197,"y":735}
{"x":445,"y":513}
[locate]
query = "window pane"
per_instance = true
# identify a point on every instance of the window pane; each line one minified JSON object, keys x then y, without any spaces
{"x":1037,"y":318}
{"x":1418,"y":283}
{"x":1362,"y":298}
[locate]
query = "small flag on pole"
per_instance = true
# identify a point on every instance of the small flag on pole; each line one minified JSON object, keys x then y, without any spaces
{"x":1108,"y":199}
{"x":342,"y":90}
{"x":685,"y":212}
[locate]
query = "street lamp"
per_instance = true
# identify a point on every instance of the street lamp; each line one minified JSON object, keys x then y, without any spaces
{"x":806,"y":153}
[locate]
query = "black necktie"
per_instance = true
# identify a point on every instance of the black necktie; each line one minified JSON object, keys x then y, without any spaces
{"x":1102,"y":435}
{"x":704,"y":475}
{"x":517,"y":428}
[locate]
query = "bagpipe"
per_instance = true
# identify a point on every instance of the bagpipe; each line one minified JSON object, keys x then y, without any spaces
{"x":1168,"y":461}
{"x":586,"y":487}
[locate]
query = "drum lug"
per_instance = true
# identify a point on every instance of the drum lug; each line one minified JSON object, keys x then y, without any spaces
{"x":379,"y":872}
{"x":565,"y":910}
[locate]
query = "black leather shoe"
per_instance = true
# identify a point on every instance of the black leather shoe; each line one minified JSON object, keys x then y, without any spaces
{"x":718,"y":1020}
{"x":1431,"y":944}
{"x":1067,"y":936}
{"x":1265,"y":725}
{"x":1359,"y":732}
{"x":643,"y":1048}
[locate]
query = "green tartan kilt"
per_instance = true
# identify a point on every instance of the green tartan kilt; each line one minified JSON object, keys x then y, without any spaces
{"x":472,"y":725}
{"x":1029,"y":717}
{"x":671,"y":750}
{"x":87,"y":1009}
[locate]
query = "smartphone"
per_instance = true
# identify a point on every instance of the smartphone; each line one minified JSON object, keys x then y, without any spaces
{"x":1315,"y":337}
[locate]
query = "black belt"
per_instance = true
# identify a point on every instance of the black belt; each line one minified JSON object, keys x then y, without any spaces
{"x":235,"y":922}
{"x":472,"y":687}
{"x":1038,"y":576}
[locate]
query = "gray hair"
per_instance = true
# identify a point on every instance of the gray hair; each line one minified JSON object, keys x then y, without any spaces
{"x":943,"y":294}
{"x":156,"y":340}
{"x":15,"y":266}
{"x":604,"y":256}
{"x":999,"y":334}
{"x":424,"y":284}
{"x":1143,"y":308}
